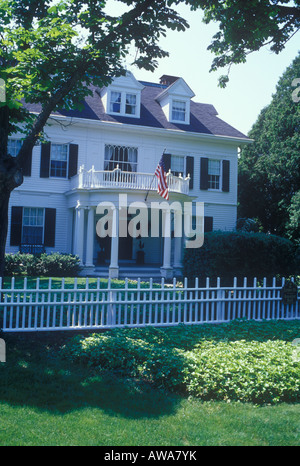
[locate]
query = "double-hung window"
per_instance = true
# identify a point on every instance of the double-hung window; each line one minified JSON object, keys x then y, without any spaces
{"x":123,"y":103}
{"x":130,"y":107}
{"x":178,"y":110}
{"x":214,"y":174}
{"x":177,"y":165}
{"x":59,"y":160}
{"x":115,"y":102}
{"x":33,"y":225}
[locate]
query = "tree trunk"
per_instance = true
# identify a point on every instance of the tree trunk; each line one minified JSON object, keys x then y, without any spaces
{"x":10,"y":177}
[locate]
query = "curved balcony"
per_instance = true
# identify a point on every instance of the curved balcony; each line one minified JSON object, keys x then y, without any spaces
{"x":93,"y":179}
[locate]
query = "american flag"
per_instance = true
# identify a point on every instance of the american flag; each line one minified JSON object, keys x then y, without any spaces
{"x":160,"y":173}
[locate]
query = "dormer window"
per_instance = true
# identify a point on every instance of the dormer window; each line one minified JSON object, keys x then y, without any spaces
{"x":130,"y":107}
{"x":178,"y":110}
{"x":123,"y":103}
{"x":115,"y":102}
{"x":175,"y":100}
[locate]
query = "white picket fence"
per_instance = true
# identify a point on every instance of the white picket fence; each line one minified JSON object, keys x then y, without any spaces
{"x":98,"y":304}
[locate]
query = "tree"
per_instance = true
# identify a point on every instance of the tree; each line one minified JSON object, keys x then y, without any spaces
{"x":51,"y":51}
{"x":269,"y":170}
{"x":247,"y":26}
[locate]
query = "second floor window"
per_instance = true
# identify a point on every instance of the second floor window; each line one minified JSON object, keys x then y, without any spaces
{"x":59,"y":160}
{"x":177,"y":165}
{"x":214,"y":173}
{"x":125,"y":158}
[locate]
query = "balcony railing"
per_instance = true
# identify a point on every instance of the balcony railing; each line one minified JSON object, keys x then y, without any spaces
{"x":93,"y":179}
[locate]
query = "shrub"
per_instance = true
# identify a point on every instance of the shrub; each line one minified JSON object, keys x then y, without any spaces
{"x":240,"y":254}
{"x":47,"y":265}
{"x":245,"y":361}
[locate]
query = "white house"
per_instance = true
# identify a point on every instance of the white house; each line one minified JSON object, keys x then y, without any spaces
{"x":112,"y":147}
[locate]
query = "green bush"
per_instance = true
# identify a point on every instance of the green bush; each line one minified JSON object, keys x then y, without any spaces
{"x":240,"y":254}
{"x":245,"y":361}
{"x":43,"y":265}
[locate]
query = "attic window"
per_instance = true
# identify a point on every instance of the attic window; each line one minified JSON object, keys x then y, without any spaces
{"x":123,"y":103}
{"x":178,"y":110}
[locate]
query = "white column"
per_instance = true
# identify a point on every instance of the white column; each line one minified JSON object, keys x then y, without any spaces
{"x":114,"y":255}
{"x":79,"y":234}
{"x":166,"y":269}
{"x":90,"y":238}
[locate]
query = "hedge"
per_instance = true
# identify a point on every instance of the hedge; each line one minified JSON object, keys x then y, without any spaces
{"x":240,"y":254}
{"x":43,"y":265}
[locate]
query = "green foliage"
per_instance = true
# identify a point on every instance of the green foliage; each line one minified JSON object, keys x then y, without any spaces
{"x":240,"y":254}
{"x":245,"y":361}
{"x":47,"y":265}
{"x":269,"y":169}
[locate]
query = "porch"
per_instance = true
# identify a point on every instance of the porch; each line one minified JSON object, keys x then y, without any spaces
{"x":126,"y":193}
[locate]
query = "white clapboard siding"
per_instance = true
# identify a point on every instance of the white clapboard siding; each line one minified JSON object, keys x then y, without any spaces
{"x":136,"y":304}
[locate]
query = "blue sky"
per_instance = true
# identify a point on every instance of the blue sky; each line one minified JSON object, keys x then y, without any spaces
{"x":251,"y":84}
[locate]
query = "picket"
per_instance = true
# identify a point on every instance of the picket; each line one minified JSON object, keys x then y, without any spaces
{"x":90,"y":305}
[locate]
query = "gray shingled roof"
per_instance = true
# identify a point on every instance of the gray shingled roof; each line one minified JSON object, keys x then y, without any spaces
{"x":203,"y":117}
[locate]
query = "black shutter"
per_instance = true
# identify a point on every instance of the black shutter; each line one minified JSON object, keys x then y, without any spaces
{"x":225,"y":176}
{"x":73,"y":159}
{"x":45,"y":160}
{"x":26,"y":166}
{"x":208,"y":224}
{"x":167,"y":159}
{"x":204,"y":173}
{"x":190,"y":170}
{"x":50,"y":222}
{"x":16,"y":226}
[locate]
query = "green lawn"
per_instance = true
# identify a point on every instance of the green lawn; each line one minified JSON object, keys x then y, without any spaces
{"x":47,"y":401}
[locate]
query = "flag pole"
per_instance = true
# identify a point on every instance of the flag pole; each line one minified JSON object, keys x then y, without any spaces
{"x":152,"y":180}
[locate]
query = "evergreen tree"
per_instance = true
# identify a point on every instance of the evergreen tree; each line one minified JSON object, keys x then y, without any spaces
{"x":269,"y":169}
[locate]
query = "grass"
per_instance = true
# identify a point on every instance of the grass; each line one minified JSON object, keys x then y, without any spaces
{"x":48,"y":401}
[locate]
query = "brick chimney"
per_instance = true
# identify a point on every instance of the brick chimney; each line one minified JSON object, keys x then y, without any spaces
{"x":167,"y":80}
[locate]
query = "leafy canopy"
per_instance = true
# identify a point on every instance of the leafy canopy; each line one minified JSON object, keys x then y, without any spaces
{"x":269,"y":170}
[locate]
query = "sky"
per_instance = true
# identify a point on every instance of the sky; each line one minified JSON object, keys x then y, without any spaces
{"x":251,"y":85}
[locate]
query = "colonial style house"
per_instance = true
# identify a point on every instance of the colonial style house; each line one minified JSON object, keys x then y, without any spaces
{"x":112,"y":147}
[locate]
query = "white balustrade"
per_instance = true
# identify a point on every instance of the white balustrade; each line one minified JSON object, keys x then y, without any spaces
{"x":95,"y":179}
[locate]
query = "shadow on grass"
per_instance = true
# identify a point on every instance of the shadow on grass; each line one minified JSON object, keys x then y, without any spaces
{"x":35,"y":376}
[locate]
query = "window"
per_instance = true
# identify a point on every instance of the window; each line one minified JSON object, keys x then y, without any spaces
{"x":33,"y":225}
{"x":115,"y":102}
{"x":14,"y":146}
{"x":178,"y":110}
{"x":123,"y":103}
{"x":130,"y":107}
{"x":214,"y":172}
{"x":123,"y":157}
{"x":177,"y":165}
{"x":59,"y":160}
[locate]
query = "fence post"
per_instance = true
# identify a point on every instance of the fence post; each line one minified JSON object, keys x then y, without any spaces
{"x":220,"y":303}
{"x":111,"y":308}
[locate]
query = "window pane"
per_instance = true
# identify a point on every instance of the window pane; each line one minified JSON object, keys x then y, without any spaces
{"x":13,"y":147}
{"x":115,"y":102}
{"x":178,"y":110}
{"x":214,"y":167}
{"x":59,"y":160}
{"x":214,"y":170}
{"x":33,"y":225}
{"x":177,"y":164}
{"x":130,"y":104}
